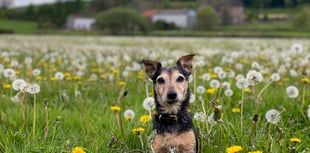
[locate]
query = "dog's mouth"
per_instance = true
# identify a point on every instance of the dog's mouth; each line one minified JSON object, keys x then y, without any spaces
{"x":172,"y":101}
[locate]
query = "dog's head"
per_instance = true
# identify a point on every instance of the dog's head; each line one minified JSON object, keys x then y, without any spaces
{"x":170,"y":83}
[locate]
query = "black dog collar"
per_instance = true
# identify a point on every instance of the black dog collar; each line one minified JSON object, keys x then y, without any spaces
{"x":167,"y":118}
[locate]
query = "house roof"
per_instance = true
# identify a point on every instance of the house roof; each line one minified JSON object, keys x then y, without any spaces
{"x":174,"y":11}
{"x":150,"y":13}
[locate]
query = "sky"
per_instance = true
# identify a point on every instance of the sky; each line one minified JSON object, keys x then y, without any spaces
{"x":18,"y":3}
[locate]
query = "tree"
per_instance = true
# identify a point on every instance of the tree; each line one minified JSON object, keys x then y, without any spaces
{"x":121,"y":20}
{"x":301,"y":19}
{"x":102,"y":5}
{"x":4,"y":4}
{"x":206,"y":18}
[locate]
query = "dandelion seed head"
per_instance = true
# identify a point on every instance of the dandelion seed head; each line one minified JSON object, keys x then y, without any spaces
{"x":206,"y":77}
{"x":200,"y":116}
{"x":200,"y":89}
{"x":129,"y":114}
{"x":149,"y":103}
{"x":275,"y":77}
{"x":242,"y":83}
{"x":215,"y":83}
{"x":292,"y":92}
{"x":32,"y":88}
{"x":273,"y":116}
{"x":19,"y":84}
{"x":36,"y":72}
{"x":9,"y":73}
{"x":228,"y":92}
{"x":297,"y":49}
{"x":254,"y":77}
{"x":59,"y":76}
{"x":192,"y":98}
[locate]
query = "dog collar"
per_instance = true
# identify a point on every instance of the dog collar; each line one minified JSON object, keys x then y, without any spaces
{"x":167,"y":118}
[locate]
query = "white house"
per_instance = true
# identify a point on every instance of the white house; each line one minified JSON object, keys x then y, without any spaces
{"x":184,"y":19}
{"x":79,"y":23}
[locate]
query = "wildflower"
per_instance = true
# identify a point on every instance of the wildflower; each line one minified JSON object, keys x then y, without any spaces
{"x":247,"y":90}
{"x":218,"y":69}
{"x":149,"y":103}
{"x":234,"y":149}
{"x":32,"y":88}
{"x":36,"y":72}
{"x":121,"y":83}
{"x":226,"y":85}
{"x":192,"y":98}
{"x":297,"y":48}
{"x":275,"y":77}
{"x":7,"y":86}
{"x":206,"y":77}
{"x":272,"y":116}
{"x":255,"y":152}
{"x":200,"y":116}
{"x":129,"y":114}
{"x":78,"y":150}
{"x":9,"y":73}
{"x":201,"y":89}
{"x":137,"y":131}
{"x":305,"y":80}
{"x":292,"y":92}
{"x":254,"y":77}
{"x":242,"y":83}
{"x":211,"y":91}
{"x":19,"y":84}
{"x":115,"y":108}
{"x":93,"y":77}
{"x":222,"y":75}
{"x":115,"y":71}
{"x":141,"y":75}
{"x":293,"y":73}
{"x":235,"y":110}
{"x":145,"y":118}
{"x":16,"y":99}
{"x":296,"y":140}
{"x":231,"y":74}
{"x":215,"y":83}
{"x":228,"y":92}
{"x":59,"y":76}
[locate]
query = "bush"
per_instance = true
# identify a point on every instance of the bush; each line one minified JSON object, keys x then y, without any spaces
{"x":121,"y":20}
{"x":206,"y":18}
{"x":301,"y":19}
{"x":162,"y":25}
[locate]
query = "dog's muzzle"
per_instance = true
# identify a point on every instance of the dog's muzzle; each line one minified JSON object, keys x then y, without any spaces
{"x":171,"y":97}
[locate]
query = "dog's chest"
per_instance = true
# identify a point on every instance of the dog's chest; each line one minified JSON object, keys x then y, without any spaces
{"x":183,"y":142}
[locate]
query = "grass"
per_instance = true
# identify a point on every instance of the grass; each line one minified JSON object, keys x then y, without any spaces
{"x":20,"y":27}
{"x":101,"y":72}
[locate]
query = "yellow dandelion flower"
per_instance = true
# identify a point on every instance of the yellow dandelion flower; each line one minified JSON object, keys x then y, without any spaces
{"x":39,"y":77}
{"x":305,"y":80}
{"x":68,"y":78}
{"x":78,"y":150}
{"x":295,"y":140}
{"x":7,"y":86}
{"x":255,"y":152}
{"x":243,"y":61}
{"x":17,"y":72}
{"x":77,"y":78}
{"x":280,"y":83}
{"x":247,"y":90}
{"x":234,"y":149}
{"x":141,"y":75}
{"x":145,"y":118}
{"x":137,"y":131}
{"x":52,"y":78}
{"x":116,"y":108}
{"x":67,"y":74}
{"x":121,"y":83}
{"x":115,"y":71}
{"x":286,"y":79}
{"x":235,"y":110}
{"x":211,"y":91}
{"x":213,"y":76}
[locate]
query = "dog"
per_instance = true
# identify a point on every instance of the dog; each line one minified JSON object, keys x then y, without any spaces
{"x":172,"y":123}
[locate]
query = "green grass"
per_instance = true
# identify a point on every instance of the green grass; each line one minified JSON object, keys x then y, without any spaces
{"x":86,"y":119}
{"x":20,"y":27}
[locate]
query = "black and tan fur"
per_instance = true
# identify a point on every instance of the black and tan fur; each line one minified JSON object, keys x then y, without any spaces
{"x":172,"y":123}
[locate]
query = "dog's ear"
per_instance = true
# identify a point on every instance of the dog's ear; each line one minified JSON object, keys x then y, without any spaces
{"x":151,"y":67}
{"x":186,"y":62}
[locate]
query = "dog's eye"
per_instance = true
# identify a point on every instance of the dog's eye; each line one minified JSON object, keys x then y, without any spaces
{"x":160,"y":80}
{"x":180,"y":79}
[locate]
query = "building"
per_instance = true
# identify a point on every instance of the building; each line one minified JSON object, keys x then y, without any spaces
{"x":75,"y":22}
{"x":184,"y":18}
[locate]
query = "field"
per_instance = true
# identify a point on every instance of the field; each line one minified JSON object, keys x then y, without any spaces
{"x":63,"y":94}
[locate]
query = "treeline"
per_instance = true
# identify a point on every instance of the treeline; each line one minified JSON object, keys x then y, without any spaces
{"x":47,"y":15}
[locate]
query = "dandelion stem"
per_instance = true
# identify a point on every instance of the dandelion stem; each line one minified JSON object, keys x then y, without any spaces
{"x":34,"y":119}
{"x":259,"y":96}
{"x":146,"y":88}
{"x":46,"y":120}
{"x":141,"y":141}
{"x":83,"y":115}
{"x":303,"y":95}
{"x":241,"y":113}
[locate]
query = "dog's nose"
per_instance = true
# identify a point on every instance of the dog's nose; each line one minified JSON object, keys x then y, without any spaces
{"x":172,"y":95}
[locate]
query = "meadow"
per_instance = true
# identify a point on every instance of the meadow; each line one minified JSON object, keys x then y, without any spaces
{"x":63,"y":94}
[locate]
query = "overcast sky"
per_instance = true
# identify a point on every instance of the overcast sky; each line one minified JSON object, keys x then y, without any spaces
{"x":18,"y":3}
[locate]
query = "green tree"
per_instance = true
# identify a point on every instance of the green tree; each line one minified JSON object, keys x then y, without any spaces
{"x":121,"y":20}
{"x":206,"y":18}
{"x":301,"y":20}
